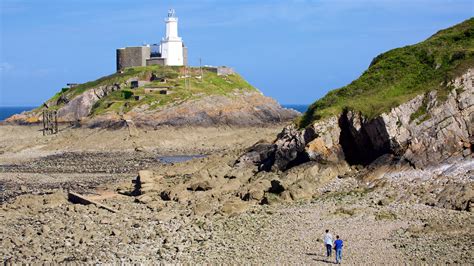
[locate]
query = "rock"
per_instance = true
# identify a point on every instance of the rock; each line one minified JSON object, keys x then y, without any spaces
{"x":234,"y":207}
{"x":255,"y":190}
{"x":285,"y":196}
{"x":271,"y":199}
{"x":115,"y":232}
{"x":290,"y":147}
{"x":200,"y":186}
{"x":105,"y":221}
{"x":28,"y":232}
{"x":145,"y":199}
{"x":383,"y":202}
{"x":202,"y":208}
{"x":146,"y":182}
{"x":240,"y":109}
{"x":155,"y":205}
{"x":276,"y":187}
{"x":145,"y":176}
{"x":466,"y":152}
{"x":287,"y":150}
{"x":302,"y":190}
{"x":237,"y":108}
{"x":261,"y":154}
{"x":439,"y":135}
{"x":454,"y":196}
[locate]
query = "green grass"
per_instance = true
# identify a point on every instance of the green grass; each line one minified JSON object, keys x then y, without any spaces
{"x":422,"y":111}
{"x":211,"y":84}
{"x":124,"y":100}
{"x":399,"y":75}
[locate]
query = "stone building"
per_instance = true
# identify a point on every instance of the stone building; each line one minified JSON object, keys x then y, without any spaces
{"x":220,"y":70}
{"x":170,"y":52}
{"x":132,"y":56}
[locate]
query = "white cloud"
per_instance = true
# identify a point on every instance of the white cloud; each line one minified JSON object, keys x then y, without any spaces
{"x":5,"y":67}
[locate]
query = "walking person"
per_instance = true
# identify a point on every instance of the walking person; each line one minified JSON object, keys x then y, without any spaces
{"x":338,"y":244}
{"x":328,"y":243}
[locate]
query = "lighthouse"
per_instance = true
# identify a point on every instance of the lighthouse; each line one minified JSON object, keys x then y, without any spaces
{"x":170,"y":52}
{"x":172,"y":48}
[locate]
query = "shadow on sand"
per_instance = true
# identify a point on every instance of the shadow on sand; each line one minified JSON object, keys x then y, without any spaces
{"x":320,"y":258}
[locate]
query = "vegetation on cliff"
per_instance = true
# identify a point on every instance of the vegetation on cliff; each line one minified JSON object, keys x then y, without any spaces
{"x":400,"y":74}
{"x":180,"y":84}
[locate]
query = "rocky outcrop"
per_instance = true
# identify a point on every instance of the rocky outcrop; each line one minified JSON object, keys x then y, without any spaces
{"x":71,"y":110}
{"x":81,"y":106}
{"x":426,"y":130}
{"x":239,"y":109}
{"x":444,"y":131}
{"x":286,"y":151}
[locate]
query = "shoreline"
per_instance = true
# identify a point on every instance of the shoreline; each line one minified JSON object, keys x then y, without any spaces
{"x":27,"y":142}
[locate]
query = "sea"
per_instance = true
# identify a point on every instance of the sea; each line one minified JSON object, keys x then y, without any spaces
{"x":7,"y":111}
{"x":298,"y":107}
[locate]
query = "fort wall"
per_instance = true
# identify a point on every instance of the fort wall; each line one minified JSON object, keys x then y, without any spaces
{"x":132,"y":56}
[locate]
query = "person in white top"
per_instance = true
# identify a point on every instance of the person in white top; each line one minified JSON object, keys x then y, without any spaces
{"x":328,"y":243}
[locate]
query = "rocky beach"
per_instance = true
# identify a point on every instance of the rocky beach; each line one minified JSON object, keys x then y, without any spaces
{"x":206,"y":210}
{"x":165,"y":163}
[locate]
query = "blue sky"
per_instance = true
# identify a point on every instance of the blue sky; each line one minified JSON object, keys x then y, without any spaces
{"x":294,"y":51}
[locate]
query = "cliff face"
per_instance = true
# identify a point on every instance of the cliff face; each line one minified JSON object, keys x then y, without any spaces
{"x":404,"y":127}
{"x":240,"y":109}
{"x":81,"y":106}
{"x":419,"y":152}
{"x":424,"y":131}
{"x":399,"y":75}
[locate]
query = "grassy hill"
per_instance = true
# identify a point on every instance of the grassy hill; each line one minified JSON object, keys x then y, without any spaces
{"x":400,"y":74}
{"x":180,"y":88}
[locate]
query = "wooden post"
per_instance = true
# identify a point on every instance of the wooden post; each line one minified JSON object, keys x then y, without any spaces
{"x":50,"y":122}
{"x":44,"y":123}
{"x":55,"y":122}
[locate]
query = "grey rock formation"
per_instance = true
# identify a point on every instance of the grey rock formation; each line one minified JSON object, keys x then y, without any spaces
{"x":287,"y":150}
{"x":81,"y":106}
{"x":423,"y":131}
{"x":444,"y":131}
{"x":239,"y":109}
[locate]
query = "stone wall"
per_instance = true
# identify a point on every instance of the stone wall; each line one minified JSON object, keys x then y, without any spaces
{"x":220,"y":70}
{"x":132,"y":56}
{"x":155,"y":61}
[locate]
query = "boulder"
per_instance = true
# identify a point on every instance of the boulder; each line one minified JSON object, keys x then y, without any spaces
{"x":234,"y":207}
{"x":302,"y":190}
{"x":203,"y":185}
{"x":145,"y":182}
{"x":255,"y":190}
{"x":286,"y":151}
{"x":454,"y":197}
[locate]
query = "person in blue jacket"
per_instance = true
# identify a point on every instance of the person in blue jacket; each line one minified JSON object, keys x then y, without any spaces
{"x":338,"y":244}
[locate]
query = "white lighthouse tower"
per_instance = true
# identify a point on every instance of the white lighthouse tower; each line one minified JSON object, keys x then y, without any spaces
{"x":172,"y":44}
